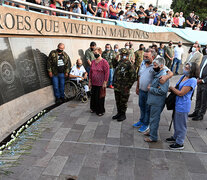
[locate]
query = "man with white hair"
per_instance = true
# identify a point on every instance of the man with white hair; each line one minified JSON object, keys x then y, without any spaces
{"x":157,"y":93}
{"x":145,"y":77}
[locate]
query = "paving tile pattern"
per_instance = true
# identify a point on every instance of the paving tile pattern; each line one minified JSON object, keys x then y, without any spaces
{"x":81,"y":145}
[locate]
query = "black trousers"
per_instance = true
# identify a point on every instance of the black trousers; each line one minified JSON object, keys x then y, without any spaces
{"x":97,"y":103}
{"x":201,"y":99}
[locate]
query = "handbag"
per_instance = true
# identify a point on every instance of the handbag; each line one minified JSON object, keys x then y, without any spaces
{"x":170,"y":100}
{"x":102,"y":92}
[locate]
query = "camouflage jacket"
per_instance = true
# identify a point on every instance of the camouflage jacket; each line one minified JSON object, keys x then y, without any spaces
{"x":138,"y":59}
{"x":110,"y":57}
{"x":53,"y":60}
{"x":131,"y":55}
{"x":89,"y":55}
{"x":124,"y":76}
{"x":116,"y":61}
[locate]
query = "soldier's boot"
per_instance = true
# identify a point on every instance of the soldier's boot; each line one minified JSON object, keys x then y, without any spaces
{"x":116,"y":116}
{"x":122,"y":117}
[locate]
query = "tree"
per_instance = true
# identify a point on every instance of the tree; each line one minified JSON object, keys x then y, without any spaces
{"x":188,"y":6}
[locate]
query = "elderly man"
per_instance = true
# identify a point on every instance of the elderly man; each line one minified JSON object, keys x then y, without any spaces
{"x":195,"y":55}
{"x":79,"y":74}
{"x":58,"y":65}
{"x":145,"y":77}
{"x":156,"y":98}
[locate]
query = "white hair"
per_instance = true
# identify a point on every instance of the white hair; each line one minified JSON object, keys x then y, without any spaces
{"x":159,"y":61}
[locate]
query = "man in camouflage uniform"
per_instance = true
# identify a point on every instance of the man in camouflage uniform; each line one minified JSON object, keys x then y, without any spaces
{"x":58,"y":66}
{"x":139,"y":54}
{"x":109,"y":55}
{"x":131,"y":50}
{"x":117,"y":55}
{"x":124,"y":78}
{"x":89,"y":56}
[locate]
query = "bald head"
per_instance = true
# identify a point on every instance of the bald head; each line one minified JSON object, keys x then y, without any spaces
{"x":61,"y":46}
{"x":79,"y":62}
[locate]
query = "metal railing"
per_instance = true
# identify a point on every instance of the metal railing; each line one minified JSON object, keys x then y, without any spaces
{"x":51,"y":10}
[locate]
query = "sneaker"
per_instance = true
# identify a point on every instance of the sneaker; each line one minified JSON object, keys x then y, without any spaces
{"x":143,"y":129}
{"x":138,"y":124}
{"x":110,"y":86}
{"x":194,"y":114}
{"x":176,"y":146}
{"x":171,"y":139}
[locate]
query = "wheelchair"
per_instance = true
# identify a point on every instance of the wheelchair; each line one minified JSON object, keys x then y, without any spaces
{"x":75,"y":90}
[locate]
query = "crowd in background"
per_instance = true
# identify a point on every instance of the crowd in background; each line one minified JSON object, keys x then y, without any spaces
{"x":130,"y":13}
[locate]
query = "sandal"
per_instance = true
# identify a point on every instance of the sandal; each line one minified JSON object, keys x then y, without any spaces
{"x":101,"y":114}
{"x":149,"y":140}
{"x":147,"y":133}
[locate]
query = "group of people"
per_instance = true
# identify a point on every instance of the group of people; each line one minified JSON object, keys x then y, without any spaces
{"x":120,"y":68}
{"x":117,"y":11}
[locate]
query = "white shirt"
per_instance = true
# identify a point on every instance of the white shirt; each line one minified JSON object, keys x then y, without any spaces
{"x":77,"y":72}
{"x":178,"y":52}
{"x":181,"y":21}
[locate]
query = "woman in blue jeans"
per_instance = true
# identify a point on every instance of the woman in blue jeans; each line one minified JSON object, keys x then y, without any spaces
{"x":183,"y":104}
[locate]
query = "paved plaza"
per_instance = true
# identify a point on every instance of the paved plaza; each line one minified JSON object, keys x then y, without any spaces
{"x":80,"y":145}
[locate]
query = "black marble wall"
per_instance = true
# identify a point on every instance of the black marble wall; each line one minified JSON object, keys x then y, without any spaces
{"x":22,"y":68}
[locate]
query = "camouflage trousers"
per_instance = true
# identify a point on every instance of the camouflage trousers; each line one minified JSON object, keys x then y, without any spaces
{"x":121,"y":101}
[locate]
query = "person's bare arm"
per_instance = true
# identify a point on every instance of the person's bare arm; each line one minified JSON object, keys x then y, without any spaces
{"x":137,"y":88}
{"x":113,"y":10}
{"x":164,"y":78}
{"x":181,"y":92}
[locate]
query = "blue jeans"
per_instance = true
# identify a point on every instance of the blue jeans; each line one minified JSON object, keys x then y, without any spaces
{"x":175,"y":62}
{"x":59,"y":85}
{"x":144,"y":107}
{"x":111,"y":76}
{"x":155,"y":112}
{"x":180,"y":126}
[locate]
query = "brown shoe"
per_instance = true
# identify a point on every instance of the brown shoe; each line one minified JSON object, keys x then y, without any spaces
{"x":147,"y":133}
{"x":149,"y":140}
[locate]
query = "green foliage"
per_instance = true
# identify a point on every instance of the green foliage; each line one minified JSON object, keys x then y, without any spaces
{"x":188,"y":6}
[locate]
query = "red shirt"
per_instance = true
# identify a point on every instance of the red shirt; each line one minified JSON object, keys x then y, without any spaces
{"x":53,"y":6}
{"x":105,"y":6}
{"x":113,"y":7}
{"x":99,"y":72}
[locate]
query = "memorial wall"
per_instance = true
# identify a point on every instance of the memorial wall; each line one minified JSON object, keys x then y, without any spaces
{"x":26,"y":39}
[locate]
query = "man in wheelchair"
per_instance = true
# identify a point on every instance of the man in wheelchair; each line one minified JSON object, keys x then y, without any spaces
{"x":78,"y":75}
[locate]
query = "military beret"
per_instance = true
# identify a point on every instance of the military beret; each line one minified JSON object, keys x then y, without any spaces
{"x":124,"y":51}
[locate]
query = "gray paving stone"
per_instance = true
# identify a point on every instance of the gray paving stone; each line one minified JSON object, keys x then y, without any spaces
{"x":73,"y":165}
{"x":105,"y":178}
{"x":55,"y":165}
{"x":88,"y":173}
{"x":113,"y":141}
{"x":108,"y":165}
{"x":196,"y":166}
{"x":31,"y":173}
{"x":73,"y":135}
{"x":196,"y":176}
{"x":60,"y":134}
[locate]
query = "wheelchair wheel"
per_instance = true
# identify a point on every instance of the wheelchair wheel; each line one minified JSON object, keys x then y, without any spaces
{"x":84,"y":99}
{"x":71,"y":90}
